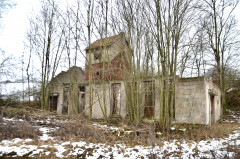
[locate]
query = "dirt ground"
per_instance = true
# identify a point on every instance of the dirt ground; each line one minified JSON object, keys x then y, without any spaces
{"x":46,"y":128}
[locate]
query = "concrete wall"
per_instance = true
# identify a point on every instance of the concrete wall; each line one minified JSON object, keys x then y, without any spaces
{"x":193,"y":101}
{"x":58,"y":86}
{"x":97,"y":100}
{"x":97,"y":87}
{"x":60,"y":102}
{"x":212,"y":89}
{"x":123,"y":111}
{"x":157,"y":99}
{"x":190,"y":101}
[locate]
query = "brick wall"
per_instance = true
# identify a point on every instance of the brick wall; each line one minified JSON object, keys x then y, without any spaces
{"x":117,"y":69}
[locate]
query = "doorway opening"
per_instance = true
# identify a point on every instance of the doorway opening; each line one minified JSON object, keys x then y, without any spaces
{"x":53,"y":102}
{"x":65,"y":101}
{"x":212,"y":108}
{"x":81,"y":98}
{"x":149,"y":99}
{"x":116,"y":106}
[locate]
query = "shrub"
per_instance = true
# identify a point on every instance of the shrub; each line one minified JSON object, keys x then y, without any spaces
{"x":17,"y":129}
{"x":233,"y":99}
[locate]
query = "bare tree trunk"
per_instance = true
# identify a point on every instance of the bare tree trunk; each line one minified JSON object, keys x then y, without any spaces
{"x":220,"y":25}
{"x":89,"y":22}
{"x":46,"y":43}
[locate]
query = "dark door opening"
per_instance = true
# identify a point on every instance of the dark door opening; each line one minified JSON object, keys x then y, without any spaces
{"x":65,"y":102}
{"x":53,"y":103}
{"x":116,"y":88}
{"x":81,"y":98}
{"x":149,"y":99}
{"x":212,"y":108}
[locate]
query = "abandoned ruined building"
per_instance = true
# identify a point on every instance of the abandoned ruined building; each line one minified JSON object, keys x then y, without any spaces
{"x":197,"y":100}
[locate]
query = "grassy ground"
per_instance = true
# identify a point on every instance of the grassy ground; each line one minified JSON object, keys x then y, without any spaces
{"x":77,"y":128}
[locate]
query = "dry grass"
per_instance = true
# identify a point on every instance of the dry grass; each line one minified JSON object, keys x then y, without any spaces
{"x":13,"y":112}
{"x":200,"y":132}
{"x":28,"y":113}
{"x":77,"y":128}
{"x":12,"y":155}
{"x":17,"y":129}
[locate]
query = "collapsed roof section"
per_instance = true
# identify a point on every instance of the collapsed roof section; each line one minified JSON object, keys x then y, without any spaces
{"x":105,"y":41}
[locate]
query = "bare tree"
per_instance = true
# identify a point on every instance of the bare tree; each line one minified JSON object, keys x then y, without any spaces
{"x":88,"y":23}
{"x":103,"y":31}
{"x":220,"y":27}
{"x":46,"y":40}
{"x":5,"y":64}
{"x":133,"y":22}
{"x":169,"y":21}
{"x":5,"y":5}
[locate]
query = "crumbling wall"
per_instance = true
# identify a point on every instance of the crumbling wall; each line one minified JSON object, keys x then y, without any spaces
{"x":58,"y":86}
{"x":213,"y":90}
{"x":115,"y":58}
{"x":190,"y":101}
{"x":97,"y":100}
{"x":117,"y":69}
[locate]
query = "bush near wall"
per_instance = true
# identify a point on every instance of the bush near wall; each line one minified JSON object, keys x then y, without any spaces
{"x":8,"y":102}
{"x":233,"y":99}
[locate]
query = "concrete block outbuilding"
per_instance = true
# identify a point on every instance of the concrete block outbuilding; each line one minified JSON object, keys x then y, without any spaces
{"x":197,"y":101}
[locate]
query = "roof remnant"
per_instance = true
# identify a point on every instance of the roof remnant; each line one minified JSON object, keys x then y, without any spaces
{"x":104,"y":41}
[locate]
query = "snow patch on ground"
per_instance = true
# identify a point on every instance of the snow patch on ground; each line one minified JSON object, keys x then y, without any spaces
{"x":173,"y":149}
{"x":45,"y":131}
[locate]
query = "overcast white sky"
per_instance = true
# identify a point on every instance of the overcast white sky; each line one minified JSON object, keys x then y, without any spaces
{"x":14,"y":24}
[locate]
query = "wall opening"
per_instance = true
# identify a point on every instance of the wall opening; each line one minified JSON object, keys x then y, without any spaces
{"x":81,"y":98}
{"x":97,"y":56}
{"x":65,"y":101}
{"x":53,"y":100}
{"x":212,"y":108}
{"x":116,"y":106}
{"x":149,"y":99}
